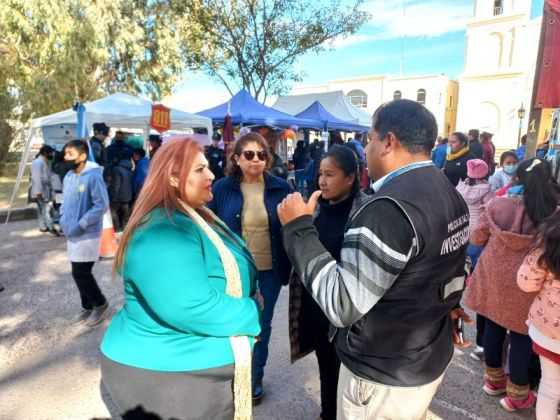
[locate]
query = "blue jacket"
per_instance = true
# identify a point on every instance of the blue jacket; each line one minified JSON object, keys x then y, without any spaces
{"x":85,"y":201}
{"x":140,"y":174}
{"x":228,"y":205}
{"x":439,"y":154}
{"x":118,"y":151}
{"x":356,"y":143}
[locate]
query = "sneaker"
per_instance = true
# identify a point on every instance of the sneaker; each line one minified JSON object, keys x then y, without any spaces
{"x":492,"y":389}
{"x":45,"y":230}
{"x":54,"y":232}
{"x":509,"y":404}
{"x":97,"y":315}
{"x":82,"y":316}
{"x":478,"y":354}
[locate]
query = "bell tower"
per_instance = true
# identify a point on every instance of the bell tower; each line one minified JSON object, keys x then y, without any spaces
{"x":500,"y":56}
{"x":493,"y":32}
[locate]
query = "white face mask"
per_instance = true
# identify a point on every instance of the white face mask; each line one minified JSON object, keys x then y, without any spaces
{"x":448,"y":149}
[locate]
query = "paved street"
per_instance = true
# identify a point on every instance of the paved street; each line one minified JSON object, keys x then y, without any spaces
{"x":48,"y":370}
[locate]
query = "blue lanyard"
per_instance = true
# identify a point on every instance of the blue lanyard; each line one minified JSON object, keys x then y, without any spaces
{"x":405,"y":169}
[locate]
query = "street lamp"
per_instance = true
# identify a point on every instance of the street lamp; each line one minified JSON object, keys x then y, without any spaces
{"x":520,"y":115}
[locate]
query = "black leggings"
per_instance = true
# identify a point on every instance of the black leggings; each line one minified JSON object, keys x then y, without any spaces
{"x":519,"y":351}
{"x":90,"y":294}
{"x":480,"y":323}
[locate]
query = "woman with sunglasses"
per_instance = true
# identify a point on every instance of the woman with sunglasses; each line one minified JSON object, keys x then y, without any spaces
{"x":246,"y":200}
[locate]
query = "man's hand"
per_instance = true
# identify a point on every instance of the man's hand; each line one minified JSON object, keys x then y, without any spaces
{"x":456,"y":314}
{"x":40,"y":197}
{"x":293,"y":207}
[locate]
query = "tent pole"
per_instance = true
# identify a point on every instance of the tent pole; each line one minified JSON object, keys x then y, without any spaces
{"x":21,"y":170}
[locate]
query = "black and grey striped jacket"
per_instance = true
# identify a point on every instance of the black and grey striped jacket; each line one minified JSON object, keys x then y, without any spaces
{"x":401,"y":272}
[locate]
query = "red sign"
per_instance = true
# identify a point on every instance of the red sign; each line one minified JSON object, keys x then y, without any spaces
{"x":548,"y":88}
{"x":160,"y":119}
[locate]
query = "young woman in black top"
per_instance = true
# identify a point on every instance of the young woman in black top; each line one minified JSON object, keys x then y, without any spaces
{"x":309,"y":327}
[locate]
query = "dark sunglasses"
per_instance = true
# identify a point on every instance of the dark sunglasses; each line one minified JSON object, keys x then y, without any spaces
{"x":250,"y":155}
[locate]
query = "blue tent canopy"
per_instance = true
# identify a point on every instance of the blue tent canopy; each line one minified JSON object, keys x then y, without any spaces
{"x":316,"y":111}
{"x":246,"y":110}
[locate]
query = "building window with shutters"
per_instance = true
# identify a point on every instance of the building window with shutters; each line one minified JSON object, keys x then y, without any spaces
{"x":397,"y":94}
{"x":421,"y":96}
{"x":358,"y":98}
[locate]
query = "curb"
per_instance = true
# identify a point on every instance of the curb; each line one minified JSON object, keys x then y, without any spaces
{"x":17,"y":215}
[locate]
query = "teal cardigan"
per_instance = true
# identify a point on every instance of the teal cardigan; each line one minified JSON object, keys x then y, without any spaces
{"x":176,"y":315}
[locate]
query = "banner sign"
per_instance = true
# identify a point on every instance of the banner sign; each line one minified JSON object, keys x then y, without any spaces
{"x":160,"y":119}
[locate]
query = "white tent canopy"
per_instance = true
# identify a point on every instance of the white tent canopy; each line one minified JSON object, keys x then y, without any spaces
{"x":117,"y":110}
{"x":334,"y":102}
{"x":122,"y":110}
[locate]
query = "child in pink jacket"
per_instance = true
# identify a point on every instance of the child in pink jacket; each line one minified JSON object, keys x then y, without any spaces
{"x":476,"y":191}
{"x":540,"y":272}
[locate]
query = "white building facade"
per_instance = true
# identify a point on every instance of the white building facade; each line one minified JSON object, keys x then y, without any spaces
{"x":437,"y":92}
{"x":500,"y":57}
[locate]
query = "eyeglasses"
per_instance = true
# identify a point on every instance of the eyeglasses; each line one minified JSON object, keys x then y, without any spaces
{"x":250,"y":155}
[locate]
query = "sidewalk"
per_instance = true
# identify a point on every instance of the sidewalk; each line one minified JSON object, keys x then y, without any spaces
{"x":48,"y":370}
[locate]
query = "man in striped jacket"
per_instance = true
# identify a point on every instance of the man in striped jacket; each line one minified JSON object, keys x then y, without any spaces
{"x":395,"y":293}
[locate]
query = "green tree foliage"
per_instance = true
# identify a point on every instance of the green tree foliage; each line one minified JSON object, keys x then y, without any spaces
{"x":54,"y":50}
{"x":255,"y":43}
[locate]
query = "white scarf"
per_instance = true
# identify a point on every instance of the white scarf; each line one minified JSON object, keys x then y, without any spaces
{"x":242,"y":397}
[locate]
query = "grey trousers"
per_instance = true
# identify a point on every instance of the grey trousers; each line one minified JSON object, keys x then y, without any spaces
{"x":141,"y":393}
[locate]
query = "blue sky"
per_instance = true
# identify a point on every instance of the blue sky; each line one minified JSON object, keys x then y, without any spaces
{"x":434,"y":41}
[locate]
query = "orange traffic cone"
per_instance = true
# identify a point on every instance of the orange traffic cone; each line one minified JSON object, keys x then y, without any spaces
{"x":109,"y":243}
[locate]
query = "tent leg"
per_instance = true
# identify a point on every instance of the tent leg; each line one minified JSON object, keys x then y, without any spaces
{"x":21,"y":170}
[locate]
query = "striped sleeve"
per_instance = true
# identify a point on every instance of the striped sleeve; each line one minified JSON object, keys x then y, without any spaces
{"x":377,"y":246}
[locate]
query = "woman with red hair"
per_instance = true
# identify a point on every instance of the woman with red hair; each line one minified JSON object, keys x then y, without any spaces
{"x":181,"y":345}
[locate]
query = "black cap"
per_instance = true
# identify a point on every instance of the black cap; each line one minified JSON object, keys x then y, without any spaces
{"x":154,"y":137}
{"x":46,"y":149}
{"x":216,"y":136}
{"x":101,"y":128}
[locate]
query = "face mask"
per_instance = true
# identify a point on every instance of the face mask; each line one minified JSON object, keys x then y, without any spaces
{"x":71,"y":165}
{"x":510,"y":169}
{"x":448,"y":149}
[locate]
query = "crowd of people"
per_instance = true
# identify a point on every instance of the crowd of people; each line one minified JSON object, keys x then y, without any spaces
{"x":376,"y":270}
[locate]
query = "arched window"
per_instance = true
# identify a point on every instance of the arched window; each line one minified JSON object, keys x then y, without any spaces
{"x":498,"y":7}
{"x":421,"y":96}
{"x":397,"y":94}
{"x":494,"y":49}
{"x":358,"y":98}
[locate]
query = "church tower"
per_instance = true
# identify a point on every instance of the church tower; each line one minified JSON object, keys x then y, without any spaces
{"x":500,"y":56}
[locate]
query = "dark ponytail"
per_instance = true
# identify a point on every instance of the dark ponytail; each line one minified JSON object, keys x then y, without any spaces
{"x":549,"y":241}
{"x":539,"y":194}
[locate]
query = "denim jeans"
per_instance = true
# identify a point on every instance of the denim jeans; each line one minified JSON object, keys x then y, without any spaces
{"x":520,"y":350}
{"x":300,"y":181}
{"x":44,"y":212}
{"x":269,"y":288}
